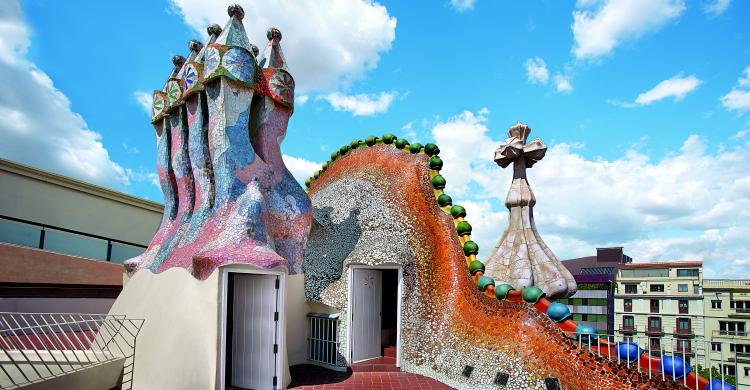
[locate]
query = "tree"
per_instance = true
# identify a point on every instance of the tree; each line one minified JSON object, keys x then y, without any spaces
{"x":716,"y":374}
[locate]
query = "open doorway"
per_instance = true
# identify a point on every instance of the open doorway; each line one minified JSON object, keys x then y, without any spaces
{"x":374,"y":306}
{"x":252,"y":331}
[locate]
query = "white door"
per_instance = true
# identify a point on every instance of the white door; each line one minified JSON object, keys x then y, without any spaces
{"x":254,"y":331}
{"x":367,"y":285}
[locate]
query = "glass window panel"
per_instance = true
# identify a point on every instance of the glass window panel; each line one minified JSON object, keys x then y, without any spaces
{"x":122,"y":252}
{"x":18,"y":233}
{"x":75,"y":244}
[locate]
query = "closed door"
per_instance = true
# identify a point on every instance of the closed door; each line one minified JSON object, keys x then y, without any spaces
{"x":367,"y":285}
{"x":254,"y":332}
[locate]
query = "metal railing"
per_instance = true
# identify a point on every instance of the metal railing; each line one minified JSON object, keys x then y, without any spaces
{"x":645,"y":353}
{"x":35,"y":347}
{"x":58,"y":239}
{"x":323,"y":341}
{"x":729,"y":333}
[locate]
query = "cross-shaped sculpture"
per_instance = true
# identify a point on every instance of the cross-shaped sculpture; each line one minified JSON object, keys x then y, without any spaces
{"x":521,"y":258}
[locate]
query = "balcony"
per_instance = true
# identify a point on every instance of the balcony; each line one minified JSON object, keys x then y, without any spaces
{"x":684,"y":332}
{"x":730,"y":333}
{"x":654,"y":330}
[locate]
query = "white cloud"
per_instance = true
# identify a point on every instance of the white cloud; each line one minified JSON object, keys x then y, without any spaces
{"x":738,"y":99}
{"x":301,"y":99}
{"x":462,"y":5}
{"x":43,"y":131}
{"x":599,"y":27}
{"x":145,"y":100}
{"x":716,"y":7}
{"x":536,"y":70}
{"x":562,"y":84}
{"x":677,"y":87}
{"x":325,"y":41}
{"x":693,"y":204}
{"x":360,"y":104}
{"x":300,"y":168}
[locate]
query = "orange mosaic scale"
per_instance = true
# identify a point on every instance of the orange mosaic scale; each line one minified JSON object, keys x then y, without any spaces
{"x":478,"y":318}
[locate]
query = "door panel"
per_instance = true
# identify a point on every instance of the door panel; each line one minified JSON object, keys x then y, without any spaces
{"x":254,"y":331}
{"x":367,"y":285}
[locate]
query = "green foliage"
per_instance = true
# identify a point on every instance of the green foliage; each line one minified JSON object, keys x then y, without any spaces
{"x":716,"y":374}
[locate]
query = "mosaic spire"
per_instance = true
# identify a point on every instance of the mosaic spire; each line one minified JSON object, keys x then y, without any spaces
{"x":273,"y":57}
{"x":234,"y":32}
{"x":521,"y":258}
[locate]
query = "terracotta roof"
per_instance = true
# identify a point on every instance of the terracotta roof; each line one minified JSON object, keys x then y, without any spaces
{"x":664,"y":264}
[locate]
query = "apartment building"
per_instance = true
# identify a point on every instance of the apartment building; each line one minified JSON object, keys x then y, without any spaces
{"x":660,"y":306}
{"x":593,"y":303}
{"x":727,"y":322}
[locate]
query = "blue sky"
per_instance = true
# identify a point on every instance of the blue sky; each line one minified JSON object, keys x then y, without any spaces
{"x":643,"y":104}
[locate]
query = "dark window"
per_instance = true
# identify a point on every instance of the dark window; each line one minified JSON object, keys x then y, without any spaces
{"x":628,"y":304}
{"x":628,"y":322}
{"x":729,"y":370}
{"x":654,"y":324}
{"x":596,"y":271}
{"x":747,"y":371}
{"x":683,"y":325}
{"x":682,"y":288}
{"x":683,"y":306}
{"x":654,"y":305}
{"x":716,"y":304}
{"x":687,"y":272}
{"x":654,"y":343}
{"x":716,"y":347}
{"x":732,"y":328}
{"x":683,"y":345}
{"x":631,"y":289}
{"x":657,"y":288}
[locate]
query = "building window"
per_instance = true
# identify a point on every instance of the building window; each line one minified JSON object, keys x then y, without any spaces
{"x":628,"y":305}
{"x":732,"y":328}
{"x":696,"y":289}
{"x":747,"y":371}
{"x":657,"y":288}
{"x":683,"y":345}
{"x":682,"y":288}
{"x":654,"y":343}
{"x":741,"y":349}
{"x":654,"y":324}
{"x":654,"y":305}
{"x":740,"y":306}
{"x":683,"y":325}
{"x":716,"y":304}
{"x":687,"y":272}
{"x":682,"y":304}
{"x":628,"y":322}
{"x":631,"y":289}
{"x":715,"y":347}
{"x":729,"y":370}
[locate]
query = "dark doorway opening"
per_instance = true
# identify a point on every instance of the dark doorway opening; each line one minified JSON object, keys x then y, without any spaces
{"x":389,"y":317}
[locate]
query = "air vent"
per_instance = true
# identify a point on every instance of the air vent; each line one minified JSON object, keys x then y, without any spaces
{"x":501,"y":379}
{"x":467,"y":371}
{"x":552,"y":383}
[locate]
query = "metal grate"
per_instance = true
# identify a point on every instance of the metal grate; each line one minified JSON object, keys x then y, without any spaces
{"x":323,"y":341}
{"x":35,"y":347}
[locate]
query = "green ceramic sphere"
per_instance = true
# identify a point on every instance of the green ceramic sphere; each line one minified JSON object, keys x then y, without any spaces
{"x":415,"y":147}
{"x":463,"y":228}
{"x":334,"y":156}
{"x":308,"y":182}
{"x":401,"y":143}
{"x":371,"y":140}
{"x":355,"y":144}
{"x":431,"y":149}
{"x":344,"y":150}
{"x":458,"y":211}
{"x":325,"y":165}
{"x":436,"y":163}
{"x":471,"y":248}
{"x":317,"y":174}
{"x":476,"y":266}
{"x":444,"y":200}
{"x":485,"y":281}
{"x":501,"y":291}
{"x":389,"y":138}
{"x":438,"y":182}
{"x":532,"y":294}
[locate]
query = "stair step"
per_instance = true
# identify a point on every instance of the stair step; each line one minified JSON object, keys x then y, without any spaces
{"x":389,"y":352}
{"x":380,"y":364}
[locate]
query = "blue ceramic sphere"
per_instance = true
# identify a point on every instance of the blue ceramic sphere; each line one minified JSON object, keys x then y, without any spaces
{"x":558,"y":312}
{"x":674,"y":365}
{"x":716,"y":384}
{"x":628,"y":351}
{"x":586,"y":333}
